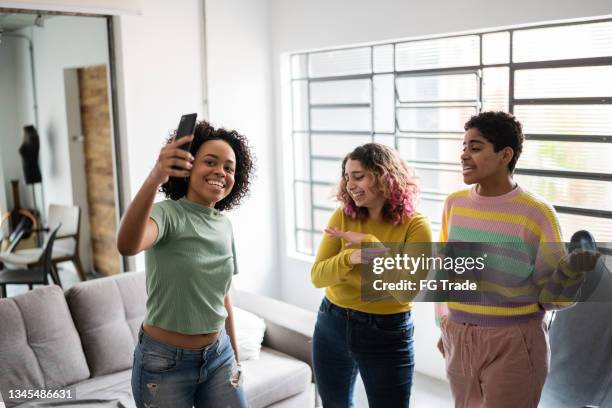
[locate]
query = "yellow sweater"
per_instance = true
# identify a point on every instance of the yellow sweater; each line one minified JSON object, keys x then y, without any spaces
{"x":333,"y":271}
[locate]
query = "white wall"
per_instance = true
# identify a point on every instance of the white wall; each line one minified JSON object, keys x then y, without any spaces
{"x":299,"y":24}
{"x":296,"y":25}
{"x":61,"y":170}
{"x":87,"y":41}
{"x":16,"y":111}
{"x":9,"y":131}
{"x":239,"y":91}
{"x":160,"y":76}
{"x":3,"y":206}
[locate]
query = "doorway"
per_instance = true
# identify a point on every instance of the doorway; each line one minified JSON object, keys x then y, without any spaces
{"x":43,"y":78}
{"x":93,"y":170}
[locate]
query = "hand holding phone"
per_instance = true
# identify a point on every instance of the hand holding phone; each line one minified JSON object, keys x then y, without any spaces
{"x":173,"y":161}
{"x":583,"y":254}
{"x":186,"y":127}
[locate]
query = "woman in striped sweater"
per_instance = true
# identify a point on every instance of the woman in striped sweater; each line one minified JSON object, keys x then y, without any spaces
{"x":494,"y":340}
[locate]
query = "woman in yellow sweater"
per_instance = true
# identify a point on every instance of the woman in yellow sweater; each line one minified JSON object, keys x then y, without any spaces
{"x":377,"y":194}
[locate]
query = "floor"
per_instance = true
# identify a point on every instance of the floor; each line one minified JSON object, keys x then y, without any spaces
{"x":68,"y":277}
{"x":427,"y":392}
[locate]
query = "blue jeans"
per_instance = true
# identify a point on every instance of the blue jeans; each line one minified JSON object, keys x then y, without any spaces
{"x":167,"y":376}
{"x":380,"y":347}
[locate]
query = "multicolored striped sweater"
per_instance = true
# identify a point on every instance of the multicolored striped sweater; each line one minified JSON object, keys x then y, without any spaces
{"x":523,"y":274}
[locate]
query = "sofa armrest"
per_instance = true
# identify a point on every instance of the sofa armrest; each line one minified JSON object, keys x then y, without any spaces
{"x":289,"y":328}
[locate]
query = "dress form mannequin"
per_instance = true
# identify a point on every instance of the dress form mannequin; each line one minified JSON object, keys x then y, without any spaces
{"x":29,"y":154}
{"x":31,"y":171}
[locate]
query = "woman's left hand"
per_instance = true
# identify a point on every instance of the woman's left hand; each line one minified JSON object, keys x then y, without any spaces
{"x":353,"y":239}
{"x":582,"y":260}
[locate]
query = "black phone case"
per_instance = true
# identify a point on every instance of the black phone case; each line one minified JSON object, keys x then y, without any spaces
{"x":186,"y":127}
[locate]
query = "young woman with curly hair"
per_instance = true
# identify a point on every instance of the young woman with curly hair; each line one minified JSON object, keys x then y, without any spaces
{"x":377,"y":193}
{"x":187,"y":353}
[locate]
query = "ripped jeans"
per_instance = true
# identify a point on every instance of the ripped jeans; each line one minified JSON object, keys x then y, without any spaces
{"x":167,"y":376}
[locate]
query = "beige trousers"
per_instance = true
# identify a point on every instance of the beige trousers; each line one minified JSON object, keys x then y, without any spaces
{"x":496,"y":366}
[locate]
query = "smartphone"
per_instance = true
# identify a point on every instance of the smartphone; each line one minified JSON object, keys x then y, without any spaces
{"x":582,"y":240}
{"x":186,"y":127}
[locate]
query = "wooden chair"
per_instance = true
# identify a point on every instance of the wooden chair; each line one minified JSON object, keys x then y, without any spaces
{"x":26,"y":225}
{"x":66,"y":247}
{"x":36,"y":275}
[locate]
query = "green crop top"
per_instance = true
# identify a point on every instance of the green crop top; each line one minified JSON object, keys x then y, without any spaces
{"x":189,"y":268}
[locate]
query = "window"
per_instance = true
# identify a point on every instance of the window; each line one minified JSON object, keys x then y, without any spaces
{"x":416,"y":95}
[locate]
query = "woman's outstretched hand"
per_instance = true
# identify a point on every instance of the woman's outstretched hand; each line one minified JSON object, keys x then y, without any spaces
{"x":173,"y":161}
{"x":582,"y":260}
{"x":353,"y":239}
{"x":366,"y":255}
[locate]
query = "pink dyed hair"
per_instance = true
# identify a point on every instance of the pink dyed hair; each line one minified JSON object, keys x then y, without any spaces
{"x":393,"y":176}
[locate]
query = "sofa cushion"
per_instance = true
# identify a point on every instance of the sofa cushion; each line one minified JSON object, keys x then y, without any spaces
{"x":250,"y":330}
{"x":39,"y":345}
{"x":288,"y":328}
{"x":107,"y":391}
{"x":303,"y":399}
{"x":112,"y":390}
{"x":107,"y":313}
{"x":290,"y":387}
{"x":274,"y":377}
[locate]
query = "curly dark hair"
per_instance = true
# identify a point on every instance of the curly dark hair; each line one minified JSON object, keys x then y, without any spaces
{"x":176,"y":187}
{"x":393,"y":176}
{"x":502,"y":129}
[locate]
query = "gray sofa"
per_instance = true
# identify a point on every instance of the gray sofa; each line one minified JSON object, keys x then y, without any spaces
{"x":83,"y":341}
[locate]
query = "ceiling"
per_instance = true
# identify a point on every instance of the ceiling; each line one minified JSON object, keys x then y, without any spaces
{"x":15,"y":21}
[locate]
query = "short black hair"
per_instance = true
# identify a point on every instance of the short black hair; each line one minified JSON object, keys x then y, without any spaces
{"x":176,"y":187}
{"x":502,"y":129}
